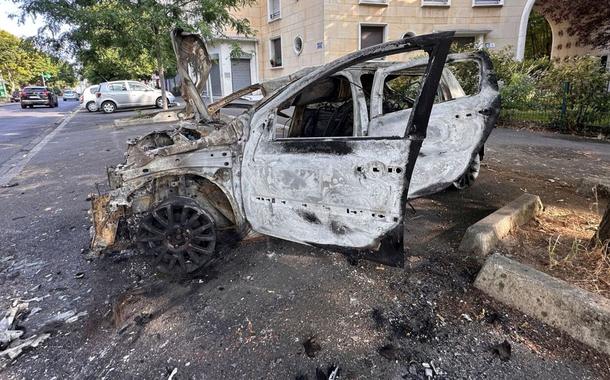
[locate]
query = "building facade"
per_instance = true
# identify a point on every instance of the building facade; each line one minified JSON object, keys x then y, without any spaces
{"x":292,"y":34}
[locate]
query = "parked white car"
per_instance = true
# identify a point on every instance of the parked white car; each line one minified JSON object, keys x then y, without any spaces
{"x":125,"y":94}
{"x":87,"y":99}
{"x":69,"y":95}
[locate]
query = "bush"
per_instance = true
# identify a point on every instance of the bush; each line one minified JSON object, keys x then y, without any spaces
{"x":539,"y":85}
{"x":584,"y":83}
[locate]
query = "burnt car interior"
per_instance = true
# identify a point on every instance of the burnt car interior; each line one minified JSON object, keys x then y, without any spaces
{"x":323,"y":109}
{"x":327,"y":108}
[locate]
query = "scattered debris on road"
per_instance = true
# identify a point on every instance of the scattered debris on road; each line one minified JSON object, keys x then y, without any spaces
{"x":503,"y":350}
{"x":312,"y":346}
{"x":11,"y":342}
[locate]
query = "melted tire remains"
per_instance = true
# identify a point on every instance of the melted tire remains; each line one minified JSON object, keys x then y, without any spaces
{"x":470,"y":176}
{"x":180,"y":236}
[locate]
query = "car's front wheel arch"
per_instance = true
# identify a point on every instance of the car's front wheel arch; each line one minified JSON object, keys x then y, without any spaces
{"x":194,"y":197}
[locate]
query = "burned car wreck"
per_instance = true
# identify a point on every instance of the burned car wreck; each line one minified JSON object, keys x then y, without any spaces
{"x":329,"y":157}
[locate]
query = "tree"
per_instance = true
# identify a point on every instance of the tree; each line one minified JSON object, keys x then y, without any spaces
{"x":589,"y":21}
{"x":22,"y":63}
{"x":133,"y":32}
{"x":603,"y":232}
{"x":539,"y":40}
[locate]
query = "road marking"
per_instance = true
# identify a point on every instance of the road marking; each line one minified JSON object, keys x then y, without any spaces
{"x":11,"y":134}
{"x":12,"y":172}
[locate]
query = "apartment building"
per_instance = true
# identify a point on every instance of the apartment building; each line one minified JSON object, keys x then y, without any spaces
{"x":292,"y":34}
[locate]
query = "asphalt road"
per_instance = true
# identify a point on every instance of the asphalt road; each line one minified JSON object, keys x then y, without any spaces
{"x":21,"y":128}
{"x":249,"y":316}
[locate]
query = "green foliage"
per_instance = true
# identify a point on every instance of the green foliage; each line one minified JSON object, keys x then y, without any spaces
{"x":535,"y":90}
{"x":587,"y":95}
{"x":130,"y":38}
{"x":468,"y":75}
{"x":21,"y":63}
{"x":106,"y":64}
{"x":539,"y":41}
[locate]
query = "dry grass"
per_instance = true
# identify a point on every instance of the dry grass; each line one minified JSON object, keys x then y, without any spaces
{"x":559,"y":242}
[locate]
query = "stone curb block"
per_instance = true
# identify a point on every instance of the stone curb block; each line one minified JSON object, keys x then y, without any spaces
{"x":582,"y":315}
{"x":161,"y":117}
{"x":482,"y":236}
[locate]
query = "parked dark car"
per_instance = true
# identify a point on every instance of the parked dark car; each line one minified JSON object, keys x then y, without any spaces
{"x":38,"y":95}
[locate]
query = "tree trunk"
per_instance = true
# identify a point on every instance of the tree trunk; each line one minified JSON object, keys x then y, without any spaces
{"x":603,"y":232}
{"x":161,"y":77}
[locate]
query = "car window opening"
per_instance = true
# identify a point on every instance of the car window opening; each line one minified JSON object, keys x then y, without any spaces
{"x":323,"y":109}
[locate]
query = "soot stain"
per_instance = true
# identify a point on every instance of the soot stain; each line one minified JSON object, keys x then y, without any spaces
{"x":340,"y":148}
{"x":309,"y":216}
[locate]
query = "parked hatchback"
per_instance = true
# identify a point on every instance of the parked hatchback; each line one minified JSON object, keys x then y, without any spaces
{"x":38,"y":95}
{"x":126,"y":94}
{"x":87,"y":99}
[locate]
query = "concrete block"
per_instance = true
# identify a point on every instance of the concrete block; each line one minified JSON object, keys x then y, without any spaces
{"x":582,"y":315}
{"x":482,"y":236}
{"x":159,"y":117}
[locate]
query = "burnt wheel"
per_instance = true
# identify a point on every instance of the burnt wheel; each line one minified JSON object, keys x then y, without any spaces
{"x":469,"y":177}
{"x":180,"y":236}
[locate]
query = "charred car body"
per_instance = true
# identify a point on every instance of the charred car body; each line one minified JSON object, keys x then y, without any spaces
{"x":329,"y":157}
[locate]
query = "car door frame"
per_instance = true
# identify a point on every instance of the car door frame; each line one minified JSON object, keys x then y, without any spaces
{"x":140,"y":101}
{"x":118,"y":95}
{"x":262,"y":130}
{"x":449,"y":152}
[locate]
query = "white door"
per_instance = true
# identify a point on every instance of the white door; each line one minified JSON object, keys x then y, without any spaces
{"x":322,"y":185}
{"x":140,"y":95}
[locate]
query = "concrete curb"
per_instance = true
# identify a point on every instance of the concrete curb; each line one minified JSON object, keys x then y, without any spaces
{"x":582,"y":315}
{"x":160,"y":117}
{"x":482,"y":236}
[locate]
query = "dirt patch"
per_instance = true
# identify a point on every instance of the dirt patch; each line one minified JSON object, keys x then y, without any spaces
{"x":557,"y":242}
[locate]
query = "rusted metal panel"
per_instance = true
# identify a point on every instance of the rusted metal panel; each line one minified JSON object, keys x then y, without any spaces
{"x":105,"y":222}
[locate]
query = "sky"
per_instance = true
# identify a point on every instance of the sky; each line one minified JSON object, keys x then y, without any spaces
{"x":28,"y":29}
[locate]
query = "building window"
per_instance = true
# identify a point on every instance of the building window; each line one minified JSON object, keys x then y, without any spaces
{"x":298,"y":45}
{"x":371,"y":35}
{"x":373,"y":2}
{"x":436,"y":3}
{"x":275,"y":52}
{"x":487,"y":3}
{"x":274,"y":10}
